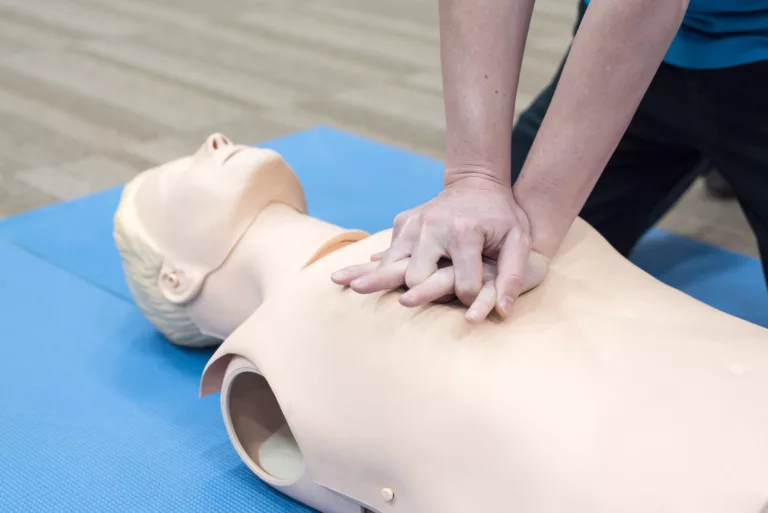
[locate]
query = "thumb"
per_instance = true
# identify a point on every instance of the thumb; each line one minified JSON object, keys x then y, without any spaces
{"x":536,"y":270}
{"x":510,"y":280}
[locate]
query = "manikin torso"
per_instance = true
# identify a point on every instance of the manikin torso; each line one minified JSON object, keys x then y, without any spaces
{"x":591,"y":398}
{"x":606,"y":391}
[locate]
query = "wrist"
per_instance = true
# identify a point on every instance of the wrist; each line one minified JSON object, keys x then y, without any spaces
{"x":489,"y":173}
{"x":549,"y":214}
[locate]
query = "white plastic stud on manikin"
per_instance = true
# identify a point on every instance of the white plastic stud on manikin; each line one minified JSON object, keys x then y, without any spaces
{"x":387,"y":494}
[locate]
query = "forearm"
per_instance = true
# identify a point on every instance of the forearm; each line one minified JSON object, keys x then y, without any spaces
{"x":614,"y":57}
{"x":482,"y":43}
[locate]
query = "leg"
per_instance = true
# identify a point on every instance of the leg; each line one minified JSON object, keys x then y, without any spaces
{"x":734,"y":135}
{"x":654,"y":164}
{"x":717,"y":186}
{"x":641,"y":182}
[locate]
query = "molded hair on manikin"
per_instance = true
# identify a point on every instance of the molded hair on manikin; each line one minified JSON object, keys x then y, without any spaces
{"x":142,"y":264}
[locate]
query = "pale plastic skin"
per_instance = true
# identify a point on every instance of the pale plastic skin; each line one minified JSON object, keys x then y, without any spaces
{"x":606,"y":391}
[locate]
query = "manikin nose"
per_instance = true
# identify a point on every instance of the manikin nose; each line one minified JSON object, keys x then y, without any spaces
{"x":218,"y":141}
{"x":221,"y":148}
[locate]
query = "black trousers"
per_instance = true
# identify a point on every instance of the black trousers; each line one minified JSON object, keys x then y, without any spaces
{"x":688,"y":121}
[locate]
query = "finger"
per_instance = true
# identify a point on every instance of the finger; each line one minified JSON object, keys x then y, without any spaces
{"x":382,"y":278}
{"x":490,"y":270}
{"x":345,"y":276}
{"x":466,"y":254}
{"x":405,"y":235}
{"x":425,"y":258}
{"x":483,"y":304}
{"x":376,"y":257}
{"x":400,"y":221}
{"x":511,"y":268}
{"x":432,"y":290}
{"x":399,"y":250}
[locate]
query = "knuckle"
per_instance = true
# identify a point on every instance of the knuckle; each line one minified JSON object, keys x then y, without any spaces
{"x":431,"y":218}
{"x":514,"y":283}
{"x":519,"y":237}
{"x":401,"y":219}
{"x":412,"y":281}
{"x":462,"y":227}
{"x":414,"y":277}
{"x":467,"y":289}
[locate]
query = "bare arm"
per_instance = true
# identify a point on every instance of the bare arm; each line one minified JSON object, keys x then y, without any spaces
{"x":482,"y":43}
{"x":614,"y":57}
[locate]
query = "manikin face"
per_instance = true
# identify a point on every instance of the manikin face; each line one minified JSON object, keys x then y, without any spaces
{"x":195,"y":209}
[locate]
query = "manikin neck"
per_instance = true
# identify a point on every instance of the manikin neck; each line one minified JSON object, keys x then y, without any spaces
{"x":274,"y":249}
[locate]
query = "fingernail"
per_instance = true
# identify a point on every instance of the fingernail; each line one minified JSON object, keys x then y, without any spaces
{"x":506,"y":304}
{"x":339,"y":275}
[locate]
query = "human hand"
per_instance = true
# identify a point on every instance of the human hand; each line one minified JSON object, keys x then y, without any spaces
{"x":471,"y":218}
{"x":438,"y":288}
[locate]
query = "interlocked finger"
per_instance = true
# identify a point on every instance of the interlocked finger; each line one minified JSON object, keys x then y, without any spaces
{"x":346,"y":276}
{"x":483,"y":305}
{"x":467,"y":257}
{"x":512,"y":259}
{"x":383,"y":277}
{"x":434,"y":289}
{"x":425,"y":258}
{"x":405,"y":236}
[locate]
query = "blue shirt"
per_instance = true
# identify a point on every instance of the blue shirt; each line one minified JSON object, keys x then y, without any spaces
{"x":721,"y":34}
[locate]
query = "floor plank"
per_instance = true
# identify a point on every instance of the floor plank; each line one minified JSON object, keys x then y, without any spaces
{"x":92,"y":91}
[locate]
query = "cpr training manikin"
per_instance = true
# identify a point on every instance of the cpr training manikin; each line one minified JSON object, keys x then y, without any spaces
{"x":606,"y":391}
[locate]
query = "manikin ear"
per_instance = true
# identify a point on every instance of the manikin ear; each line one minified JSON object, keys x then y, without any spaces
{"x":179,"y":286}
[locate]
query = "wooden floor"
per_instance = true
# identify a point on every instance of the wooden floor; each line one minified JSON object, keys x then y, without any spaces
{"x":93,"y":91}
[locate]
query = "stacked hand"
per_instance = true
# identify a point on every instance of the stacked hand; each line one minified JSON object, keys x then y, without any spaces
{"x":475,"y":224}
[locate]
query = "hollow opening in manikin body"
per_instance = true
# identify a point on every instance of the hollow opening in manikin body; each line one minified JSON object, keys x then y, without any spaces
{"x":261,"y":428}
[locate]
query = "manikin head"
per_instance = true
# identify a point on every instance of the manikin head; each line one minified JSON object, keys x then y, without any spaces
{"x":176,"y":229}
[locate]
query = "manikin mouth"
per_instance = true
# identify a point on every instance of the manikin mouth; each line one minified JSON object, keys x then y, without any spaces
{"x":235,"y":151}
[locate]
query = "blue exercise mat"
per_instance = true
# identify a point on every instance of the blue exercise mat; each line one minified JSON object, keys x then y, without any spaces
{"x":99,"y":413}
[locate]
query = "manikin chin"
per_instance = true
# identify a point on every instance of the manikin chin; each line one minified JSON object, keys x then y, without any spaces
{"x":605,"y":392}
